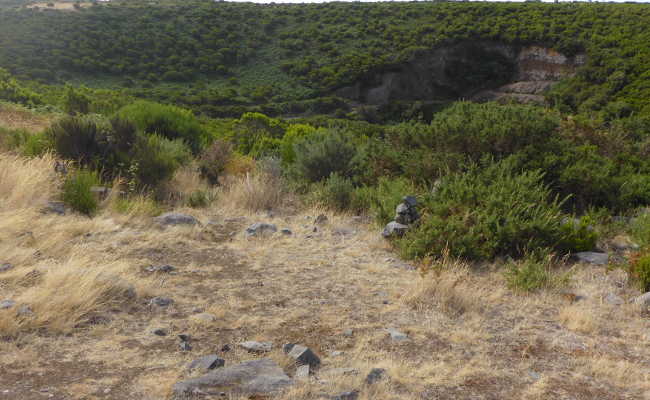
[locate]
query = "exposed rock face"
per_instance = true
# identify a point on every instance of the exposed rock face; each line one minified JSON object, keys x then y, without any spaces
{"x":478,"y":70}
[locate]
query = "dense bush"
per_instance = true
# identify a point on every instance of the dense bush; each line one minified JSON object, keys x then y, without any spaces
{"x":336,"y":192}
{"x":257,"y":135}
{"x":382,"y":200}
{"x":77,"y":192}
{"x":11,"y":90}
{"x":490,"y":210}
{"x":323,"y":153}
{"x":167,"y":121}
{"x":157,"y":158}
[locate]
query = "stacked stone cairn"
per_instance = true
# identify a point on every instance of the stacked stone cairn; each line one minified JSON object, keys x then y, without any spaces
{"x":406,"y":214}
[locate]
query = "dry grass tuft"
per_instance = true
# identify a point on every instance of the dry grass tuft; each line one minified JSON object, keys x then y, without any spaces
{"x":580,"y":318}
{"x":26,"y":182}
{"x":253,"y":192}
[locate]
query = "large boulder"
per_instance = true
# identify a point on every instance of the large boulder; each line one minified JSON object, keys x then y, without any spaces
{"x":303,"y":355}
{"x":254,"y":378}
{"x":172,"y":218}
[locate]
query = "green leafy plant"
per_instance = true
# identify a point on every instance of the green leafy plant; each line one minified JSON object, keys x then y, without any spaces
{"x":77,"y":192}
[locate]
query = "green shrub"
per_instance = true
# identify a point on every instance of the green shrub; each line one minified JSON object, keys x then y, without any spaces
{"x":257,"y":135}
{"x":213,"y":160}
{"x":577,"y":235}
{"x":336,"y":192}
{"x":75,"y":102}
{"x":320,"y":155}
{"x":79,"y":138}
{"x":640,"y":271}
{"x":199,"y":199}
{"x":640,"y":229}
{"x":534,"y":272}
{"x":294,"y":133}
{"x":490,"y":210}
{"x":167,"y":121}
{"x":77,"y":192}
{"x":158,"y":158}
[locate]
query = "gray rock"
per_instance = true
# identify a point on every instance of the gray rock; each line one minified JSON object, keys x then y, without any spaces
{"x":411,"y":201}
{"x":348,"y":332}
{"x":204,"y":317}
{"x":302,"y":372}
{"x":172,"y":218}
{"x":321,"y":219}
{"x":353,"y":395}
{"x":161,"y":301}
{"x":25,"y":310}
{"x":286,"y":232}
{"x":185,"y":342}
{"x":393,"y":229}
{"x":591,"y":257}
{"x":336,"y":353}
{"x":256,"y":347}
{"x":206,"y":363}
{"x":260,"y":229}
{"x":160,"y":268}
{"x":402,"y":209}
{"x":304,"y":355}
{"x":643,"y":300}
{"x":159,"y":332}
{"x":5,"y":267}
{"x":54,"y":207}
{"x":397,"y":335}
{"x":287,"y":347}
{"x":375,"y":375}
{"x":4,"y":304}
{"x":614,"y":299}
{"x":255,"y":377}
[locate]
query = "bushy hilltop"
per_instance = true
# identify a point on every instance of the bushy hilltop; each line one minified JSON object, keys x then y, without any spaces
{"x":278,"y":57}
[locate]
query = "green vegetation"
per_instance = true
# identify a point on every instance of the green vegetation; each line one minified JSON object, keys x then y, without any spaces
{"x":77,"y":192}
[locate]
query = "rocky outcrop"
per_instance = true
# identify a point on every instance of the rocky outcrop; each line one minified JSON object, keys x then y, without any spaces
{"x":477,"y":70}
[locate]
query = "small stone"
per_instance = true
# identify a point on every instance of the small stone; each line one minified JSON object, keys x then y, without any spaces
{"x":411,"y":201}
{"x":375,"y":375}
{"x":176,"y":219}
{"x":340,"y":372}
{"x":287,"y":347}
{"x":260,"y":229}
{"x":161,"y":301}
{"x":206,"y":363}
{"x":304,"y":355}
{"x":160,"y":268}
{"x":302,"y":372}
{"x":394,"y":229}
{"x":348,"y":332}
{"x":591,"y":257}
{"x":353,"y":395}
{"x":4,"y":304}
{"x":614,"y":299}
{"x":643,"y":300}
{"x":54,"y":207}
{"x":286,"y":232}
{"x":321,"y":219}
{"x":256,"y":347}
{"x":159,"y":332}
{"x":204,"y":317}
{"x":185,"y":346}
{"x":534,"y":375}
{"x":25,"y":310}
{"x":397,"y":335}
{"x":5,"y":267}
{"x":336,"y":353}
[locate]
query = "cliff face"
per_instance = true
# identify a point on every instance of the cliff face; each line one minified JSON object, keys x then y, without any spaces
{"x":479,"y":71}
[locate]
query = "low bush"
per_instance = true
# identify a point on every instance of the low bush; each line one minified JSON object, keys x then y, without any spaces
{"x":382,"y":200}
{"x":534,"y":272}
{"x":77,"y":192}
{"x":491,"y":210}
{"x":640,"y":271}
{"x":336,"y":192}
{"x":640,"y":229}
{"x":213,"y":160}
{"x":321,"y":154}
{"x":158,"y":158}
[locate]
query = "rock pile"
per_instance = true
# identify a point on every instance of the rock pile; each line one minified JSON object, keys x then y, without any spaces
{"x":406,"y":214}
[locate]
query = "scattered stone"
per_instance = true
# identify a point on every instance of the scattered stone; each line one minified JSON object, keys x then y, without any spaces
{"x":341,"y":231}
{"x":256,"y":347}
{"x":397,"y":335}
{"x":225,"y":348}
{"x":286,"y":232}
{"x":353,"y":395}
{"x":204,"y":317}
{"x":336,"y":353}
{"x":206,"y":363}
{"x":614,"y":299}
{"x":161,"y":301}
{"x":643,"y":300}
{"x":302,"y":372}
{"x":304,"y":355}
{"x":623,"y":243}
{"x":255,"y":377}
{"x":591,"y":257}
{"x":25,"y":310}
{"x":172,"y":218}
{"x":534,"y":375}
{"x":54,"y":207}
{"x":321,"y":219}
{"x":375,"y":375}
{"x":287,"y":347}
{"x":159,"y":332}
{"x":340,"y":372}
{"x":160,"y":268}
{"x":5,"y":267}
{"x":348,"y":332}
{"x":393,"y":229}
{"x":260,"y":229}
{"x":4,"y":304}
{"x":185,"y":342}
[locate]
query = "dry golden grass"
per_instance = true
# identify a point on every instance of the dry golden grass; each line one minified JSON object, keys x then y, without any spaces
{"x":16,"y":117}
{"x":252,"y":192}
{"x":26,"y":183}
